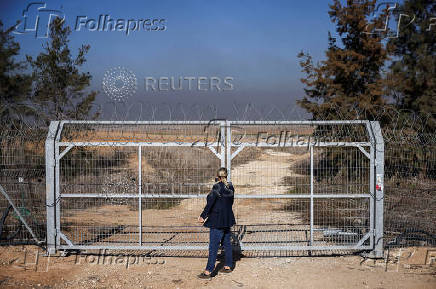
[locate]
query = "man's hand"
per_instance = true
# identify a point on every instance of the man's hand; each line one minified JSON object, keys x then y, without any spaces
{"x":200,"y":219}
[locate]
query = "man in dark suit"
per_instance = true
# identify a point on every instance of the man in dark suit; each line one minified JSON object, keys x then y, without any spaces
{"x":218,"y":216}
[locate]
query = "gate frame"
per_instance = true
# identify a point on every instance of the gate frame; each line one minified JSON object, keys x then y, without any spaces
{"x":375,"y":195}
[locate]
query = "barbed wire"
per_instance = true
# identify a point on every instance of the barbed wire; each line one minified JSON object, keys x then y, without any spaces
{"x":398,"y":125}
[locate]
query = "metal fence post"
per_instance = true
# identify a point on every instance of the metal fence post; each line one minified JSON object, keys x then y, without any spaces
{"x":50,"y":187}
{"x":140,"y":193}
{"x":379,"y":189}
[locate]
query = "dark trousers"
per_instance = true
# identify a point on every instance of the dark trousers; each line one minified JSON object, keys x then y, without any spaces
{"x":215,"y":237}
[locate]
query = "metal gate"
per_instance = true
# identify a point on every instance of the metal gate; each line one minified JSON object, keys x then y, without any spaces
{"x":300,"y":185}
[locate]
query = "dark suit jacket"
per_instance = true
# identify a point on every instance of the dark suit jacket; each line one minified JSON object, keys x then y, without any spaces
{"x":218,"y":209}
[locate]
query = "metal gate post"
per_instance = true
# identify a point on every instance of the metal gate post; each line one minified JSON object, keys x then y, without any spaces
{"x":50,"y":187}
{"x":57,"y":189}
{"x":372,"y":192}
{"x":371,"y":184}
{"x":379,"y":189}
{"x":228,"y":151}
{"x":311,"y":195}
{"x":222,"y":142}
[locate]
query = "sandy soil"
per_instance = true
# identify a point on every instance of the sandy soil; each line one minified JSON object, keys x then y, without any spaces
{"x":406,"y":268}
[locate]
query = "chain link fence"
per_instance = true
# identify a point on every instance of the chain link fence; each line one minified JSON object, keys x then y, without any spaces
{"x":410,"y":174}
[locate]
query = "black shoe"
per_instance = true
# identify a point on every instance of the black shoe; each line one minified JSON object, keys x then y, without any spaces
{"x":225,"y":270}
{"x":204,"y":276}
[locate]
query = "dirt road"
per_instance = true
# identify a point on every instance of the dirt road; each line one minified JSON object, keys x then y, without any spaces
{"x":19,"y":270}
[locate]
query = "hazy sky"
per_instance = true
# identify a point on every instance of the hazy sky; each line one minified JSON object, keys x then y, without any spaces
{"x":254,"y":42}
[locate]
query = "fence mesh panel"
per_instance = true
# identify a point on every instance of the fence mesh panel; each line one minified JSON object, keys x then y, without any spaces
{"x":409,"y":192}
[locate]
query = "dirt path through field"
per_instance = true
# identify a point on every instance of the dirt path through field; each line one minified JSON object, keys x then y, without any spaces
{"x":265,"y":176}
{"x":262,"y":176}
